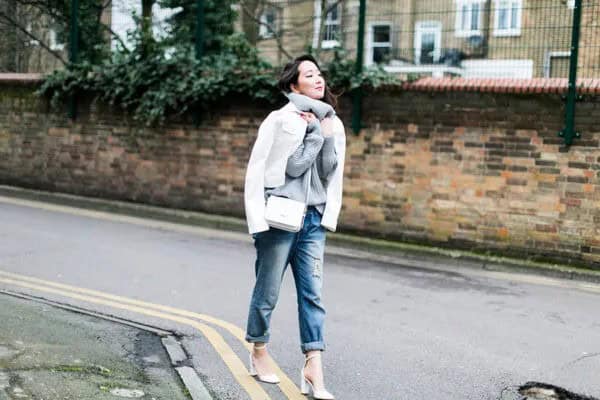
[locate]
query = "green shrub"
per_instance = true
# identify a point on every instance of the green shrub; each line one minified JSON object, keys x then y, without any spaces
{"x":155,"y":80}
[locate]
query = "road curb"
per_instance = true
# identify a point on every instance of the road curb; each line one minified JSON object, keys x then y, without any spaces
{"x":175,"y":350}
{"x":177,"y":356}
{"x":339,"y":244}
{"x":192,"y":382}
{"x":188,"y":375}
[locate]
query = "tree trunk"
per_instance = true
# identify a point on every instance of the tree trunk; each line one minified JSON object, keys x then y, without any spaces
{"x":147,"y":17}
{"x":250,"y":14}
{"x":146,"y":23}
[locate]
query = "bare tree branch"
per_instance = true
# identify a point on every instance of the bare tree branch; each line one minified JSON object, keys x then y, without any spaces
{"x":23,"y":29}
{"x":115,"y":35}
{"x":326,"y":8}
{"x":277,"y":33}
{"x":43,"y":6}
{"x":108,"y":29}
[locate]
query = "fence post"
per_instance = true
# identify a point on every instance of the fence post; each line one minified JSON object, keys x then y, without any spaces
{"x":73,"y":50}
{"x":357,"y":93}
{"x":199,"y":42}
{"x":568,"y":133}
{"x":199,"y":29}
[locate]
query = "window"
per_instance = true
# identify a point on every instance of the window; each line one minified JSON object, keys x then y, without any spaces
{"x":468,"y":17}
{"x":331,"y":31}
{"x":428,"y":40}
{"x":556,"y":64}
{"x":268,"y":21}
{"x":56,"y":39}
{"x":379,"y":44}
{"x":29,"y":29}
{"x":507,"y":19}
{"x":331,"y":34}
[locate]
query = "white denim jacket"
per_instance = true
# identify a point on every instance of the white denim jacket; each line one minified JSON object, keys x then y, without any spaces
{"x":279,"y":135}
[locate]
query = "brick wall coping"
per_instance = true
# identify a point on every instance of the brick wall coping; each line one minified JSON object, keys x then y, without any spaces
{"x":489,"y":85}
{"x":503,"y":85}
{"x":21,"y":78}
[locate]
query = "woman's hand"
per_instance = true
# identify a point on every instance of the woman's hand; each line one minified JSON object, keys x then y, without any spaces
{"x":326,"y":123}
{"x":308,"y":117}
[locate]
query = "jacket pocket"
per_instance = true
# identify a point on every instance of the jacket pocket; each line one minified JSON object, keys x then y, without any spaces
{"x":295,"y":127}
{"x":287,"y":140}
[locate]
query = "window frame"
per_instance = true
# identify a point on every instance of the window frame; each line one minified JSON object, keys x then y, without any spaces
{"x":422,"y":27}
{"x":29,"y":29}
{"x":371,"y":44}
{"x":510,"y":31}
{"x":263,"y":30}
{"x":53,"y":42}
{"x":326,"y":44}
{"x":550,"y":55}
{"x":458,"y":28}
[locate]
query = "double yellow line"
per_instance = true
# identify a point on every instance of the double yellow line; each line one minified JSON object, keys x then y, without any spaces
{"x":195,"y":320}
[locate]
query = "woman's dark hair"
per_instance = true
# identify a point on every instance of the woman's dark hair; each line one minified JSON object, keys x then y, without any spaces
{"x":290,"y":75}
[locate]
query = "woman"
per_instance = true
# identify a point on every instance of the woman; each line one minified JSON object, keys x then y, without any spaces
{"x":300,"y":148}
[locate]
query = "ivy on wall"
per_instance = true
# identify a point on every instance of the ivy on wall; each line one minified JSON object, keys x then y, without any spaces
{"x":158,"y":79}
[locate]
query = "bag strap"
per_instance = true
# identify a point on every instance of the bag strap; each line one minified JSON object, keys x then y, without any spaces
{"x":308,"y":187}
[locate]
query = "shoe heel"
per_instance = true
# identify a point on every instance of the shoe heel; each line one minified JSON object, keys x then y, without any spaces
{"x":306,"y":386}
{"x":251,"y":368}
{"x":303,"y":383}
{"x":270,"y":378}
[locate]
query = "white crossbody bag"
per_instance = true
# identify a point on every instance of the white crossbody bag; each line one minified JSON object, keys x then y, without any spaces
{"x":287,"y":214}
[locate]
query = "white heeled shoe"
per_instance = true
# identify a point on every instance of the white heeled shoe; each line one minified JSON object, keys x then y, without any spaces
{"x":306,"y":386}
{"x":269,"y":378}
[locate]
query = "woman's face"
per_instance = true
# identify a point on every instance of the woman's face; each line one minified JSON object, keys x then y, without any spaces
{"x":310,"y":81}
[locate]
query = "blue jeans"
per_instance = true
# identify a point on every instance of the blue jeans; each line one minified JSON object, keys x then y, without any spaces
{"x":303,"y":251}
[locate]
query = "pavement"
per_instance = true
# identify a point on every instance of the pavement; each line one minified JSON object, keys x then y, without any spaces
{"x":48,"y":352}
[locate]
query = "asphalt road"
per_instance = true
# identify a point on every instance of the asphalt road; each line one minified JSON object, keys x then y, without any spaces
{"x":392,"y":332}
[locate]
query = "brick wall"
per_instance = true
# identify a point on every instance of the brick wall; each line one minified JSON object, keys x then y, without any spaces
{"x":478,"y":170}
{"x":105,"y":154}
{"x":472,"y":169}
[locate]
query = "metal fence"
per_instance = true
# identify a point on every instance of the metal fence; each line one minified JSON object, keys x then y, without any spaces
{"x":523,"y":39}
{"x":469,"y":38}
{"x":40,"y":36}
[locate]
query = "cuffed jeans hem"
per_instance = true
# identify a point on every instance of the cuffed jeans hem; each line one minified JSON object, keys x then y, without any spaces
{"x":257,"y":339}
{"x":306,"y":347}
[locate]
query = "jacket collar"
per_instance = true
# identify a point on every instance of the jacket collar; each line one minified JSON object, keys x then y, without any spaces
{"x":290,"y":106}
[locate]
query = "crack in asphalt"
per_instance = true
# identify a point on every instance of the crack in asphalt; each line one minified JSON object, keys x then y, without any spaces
{"x":583,"y":357}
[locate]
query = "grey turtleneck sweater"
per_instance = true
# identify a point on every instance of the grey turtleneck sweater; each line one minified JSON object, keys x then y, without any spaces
{"x":316,"y":153}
